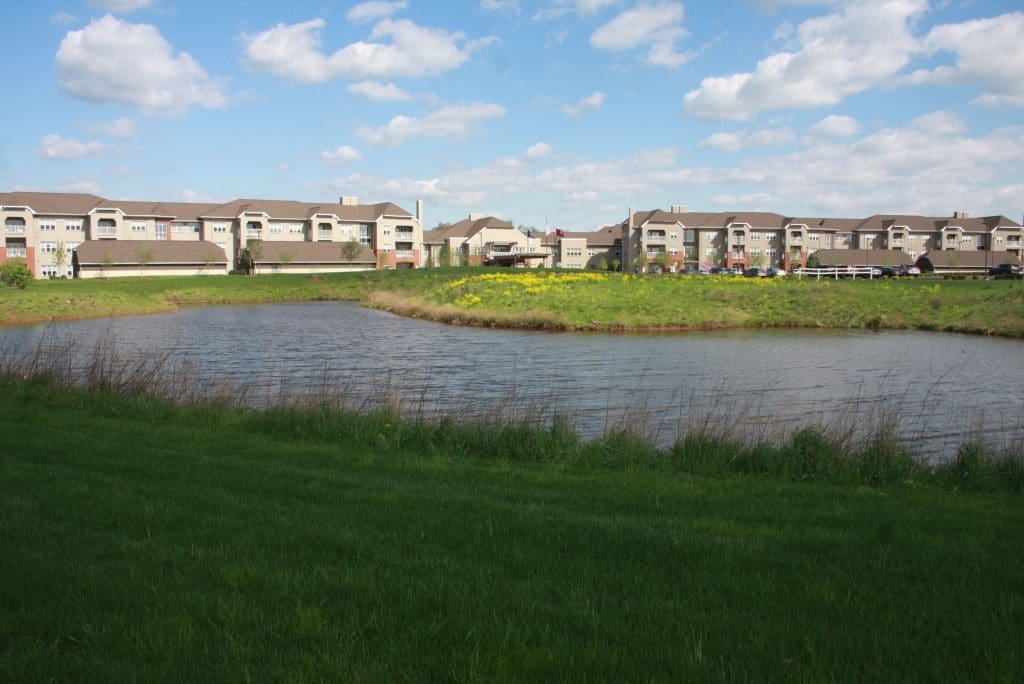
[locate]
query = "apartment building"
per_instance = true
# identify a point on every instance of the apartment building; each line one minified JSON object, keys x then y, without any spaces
{"x":484,"y":240}
{"x":38,"y":225}
{"x":600,"y":249}
{"x":702,"y":240}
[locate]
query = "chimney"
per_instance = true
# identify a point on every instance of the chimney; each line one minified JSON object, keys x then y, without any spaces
{"x":961,"y":214}
{"x":419,"y":212}
{"x":630,"y":226}
{"x":349,"y":200}
{"x":476,"y":217}
{"x":679,"y":209}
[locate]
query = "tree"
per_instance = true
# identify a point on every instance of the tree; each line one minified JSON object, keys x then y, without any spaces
{"x":663,"y":261}
{"x":640,"y":262}
{"x":616,"y":264}
{"x":60,"y":257}
{"x":15,"y":274}
{"x":444,"y":257}
{"x":286,"y":258}
{"x":813,"y":261}
{"x":252,"y":255}
{"x":208,"y":260}
{"x":441,"y":226}
{"x":601,"y":264}
{"x":383,"y":257}
{"x":145,"y":256}
{"x":107,"y":260}
{"x":350,"y":250}
{"x":756,"y":260}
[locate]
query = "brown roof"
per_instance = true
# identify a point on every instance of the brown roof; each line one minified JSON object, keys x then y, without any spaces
{"x":840,"y":225}
{"x":976,"y":259}
{"x":51,"y":202}
{"x":606,"y":236}
{"x":862,"y":257}
{"x":312,"y":253}
{"x":288,"y":209}
{"x":698,"y":219}
{"x":184,"y":211}
{"x":465,"y":228}
{"x":95,"y":252}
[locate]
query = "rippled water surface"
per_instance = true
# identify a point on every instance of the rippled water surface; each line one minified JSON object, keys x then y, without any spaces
{"x":936,"y":388}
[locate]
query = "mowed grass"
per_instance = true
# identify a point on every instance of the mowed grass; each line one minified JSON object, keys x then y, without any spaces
{"x":561,"y":300}
{"x":148,"y":541}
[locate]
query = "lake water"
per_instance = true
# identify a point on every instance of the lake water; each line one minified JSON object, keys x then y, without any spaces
{"x":936,"y":389}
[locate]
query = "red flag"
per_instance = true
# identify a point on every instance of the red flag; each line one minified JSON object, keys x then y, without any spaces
{"x":559,"y":232}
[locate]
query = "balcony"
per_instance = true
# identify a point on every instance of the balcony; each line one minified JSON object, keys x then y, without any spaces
{"x":405,"y":235}
{"x":1013,"y":243}
{"x":405,"y":253}
{"x":655,"y":239}
{"x":796,"y":240}
{"x":324,"y":235}
{"x":16,"y":252}
{"x":11,"y":229}
{"x":106,"y":231}
{"x":739,"y":241}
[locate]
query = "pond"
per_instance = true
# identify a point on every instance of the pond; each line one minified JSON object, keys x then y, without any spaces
{"x":934,"y":389}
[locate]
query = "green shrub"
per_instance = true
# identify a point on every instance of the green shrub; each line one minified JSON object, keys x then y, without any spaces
{"x":15,"y":274}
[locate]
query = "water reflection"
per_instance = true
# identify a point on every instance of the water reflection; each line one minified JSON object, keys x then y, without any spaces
{"x":936,"y":388}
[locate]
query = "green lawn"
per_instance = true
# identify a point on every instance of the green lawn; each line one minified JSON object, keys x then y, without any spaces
{"x":144,"y":541}
{"x":562,"y":300}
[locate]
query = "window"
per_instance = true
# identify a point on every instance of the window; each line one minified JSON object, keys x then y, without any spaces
{"x":813,"y":237}
{"x":295,"y":228}
{"x":966,"y":238}
{"x":177,"y":226}
{"x":999,"y":239}
{"x":47,"y":247}
{"x":710,"y":251}
{"x":275,"y":228}
{"x":710,"y":234}
{"x":47,"y":224}
{"x":755,"y":236}
{"x":73,"y":224}
{"x":365,"y":234}
{"x":688,"y":237}
{"x":755,"y":252}
{"x":161,"y":230}
{"x":673,"y":235}
{"x":671,"y":250}
{"x":70,"y":247}
{"x":49,"y":271}
{"x":771,"y":251}
{"x":387,"y":231}
{"x":591,"y":252}
{"x":573,"y":251}
{"x":138,"y":226}
{"x":219,"y":227}
{"x":346,"y":230}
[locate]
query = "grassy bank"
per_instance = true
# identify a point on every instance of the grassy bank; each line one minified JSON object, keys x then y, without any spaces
{"x":144,"y":540}
{"x":561,"y":300}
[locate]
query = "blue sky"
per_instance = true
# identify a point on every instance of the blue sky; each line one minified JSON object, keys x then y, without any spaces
{"x":565,"y":111}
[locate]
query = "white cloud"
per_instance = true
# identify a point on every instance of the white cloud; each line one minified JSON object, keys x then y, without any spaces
{"x":294,"y":52}
{"x":379,"y":92}
{"x":122,"y":128}
{"x":342,"y":155}
{"x":654,"y":27}
{"x":58,"y":147}
{"x":839,"y":54}
{"x":734,"y":142}
{"x":63,"y":18}
{"x":83,"y":185}
{"x":114,"y":61}
{"x":591,"y":103}
{"x":583,"y":8}
{"x":500,"y":5}
{"x":453,"y":122}
{"x":989,"y":54}
{"x":835,"y":126}
{"x":376,"y":9}
{"x":541,"y":150}
{"x":120,"y":6}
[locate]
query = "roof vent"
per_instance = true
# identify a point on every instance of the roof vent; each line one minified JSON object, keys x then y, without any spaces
{"x":349,"y":200}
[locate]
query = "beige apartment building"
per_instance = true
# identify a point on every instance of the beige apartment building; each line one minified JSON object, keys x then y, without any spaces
{"x":703,"y":240}
{"x":37,"y":225}
{"x":484,"y":240}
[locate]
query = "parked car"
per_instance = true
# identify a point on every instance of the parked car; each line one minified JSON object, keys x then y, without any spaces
{"x":1005,"y":269}
{"x":774,"y":272}
{"x":888,"y":271}
{"x":754,"y":273}
{"x":905,"y":271}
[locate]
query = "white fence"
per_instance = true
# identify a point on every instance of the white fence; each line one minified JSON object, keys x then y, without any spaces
{"x":837,"y":272}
